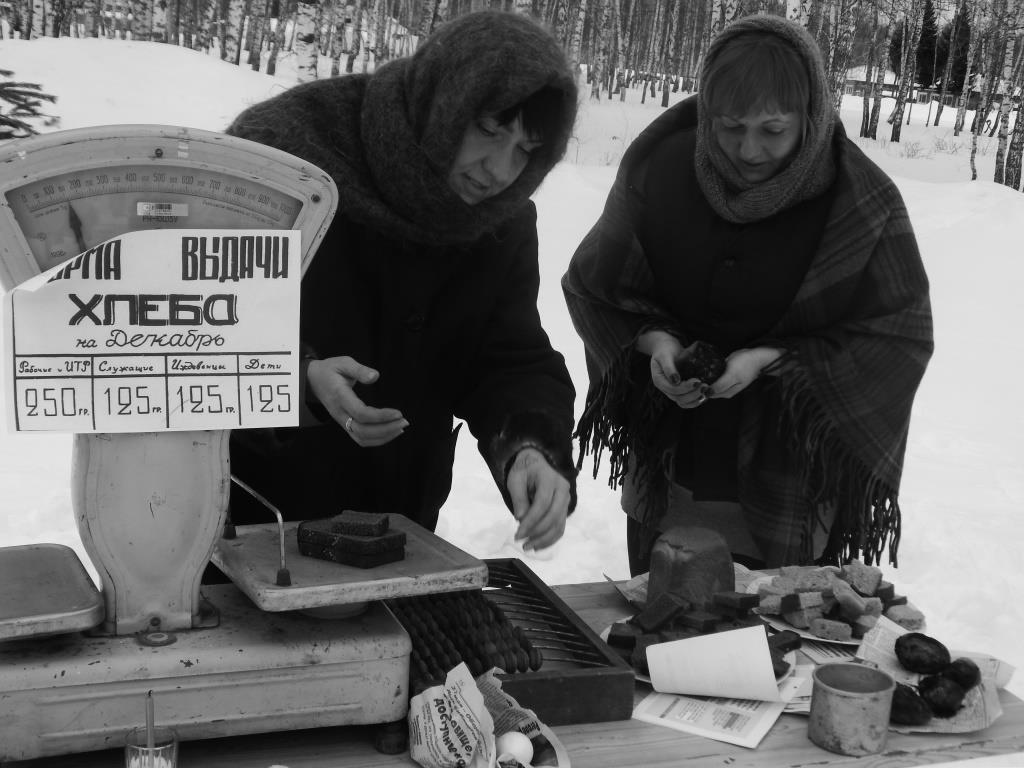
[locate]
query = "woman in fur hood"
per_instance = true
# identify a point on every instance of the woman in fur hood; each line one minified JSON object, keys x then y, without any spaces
{"x":420,"y":305}
{"x":744,"y":218}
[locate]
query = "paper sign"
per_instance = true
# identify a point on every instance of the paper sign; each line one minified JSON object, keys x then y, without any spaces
{"x":164,"y":329}
{"x":735,"y":664}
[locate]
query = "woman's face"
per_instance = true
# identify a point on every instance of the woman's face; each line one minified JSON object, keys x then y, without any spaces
{"x":489,"y":159}
{"x":759,"y":144}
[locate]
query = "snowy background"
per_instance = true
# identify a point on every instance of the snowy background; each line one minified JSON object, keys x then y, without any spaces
{"x":963,"y":488}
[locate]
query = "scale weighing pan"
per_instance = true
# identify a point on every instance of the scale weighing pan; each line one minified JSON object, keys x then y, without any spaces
{"x":431,"y":564}
{"x":46,"y":591}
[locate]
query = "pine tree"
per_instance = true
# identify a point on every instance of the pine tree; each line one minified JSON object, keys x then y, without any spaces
{"x":926,"y":75}
{"x":25,"y":100}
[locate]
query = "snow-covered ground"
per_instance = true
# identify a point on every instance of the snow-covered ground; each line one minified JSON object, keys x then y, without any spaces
{"x":963,"y":490}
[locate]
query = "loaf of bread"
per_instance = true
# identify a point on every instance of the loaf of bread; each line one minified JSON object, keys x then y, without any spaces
{"x":692,"y":564}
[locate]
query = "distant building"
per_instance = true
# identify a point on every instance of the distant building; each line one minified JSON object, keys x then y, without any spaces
{"x":857,"y":84}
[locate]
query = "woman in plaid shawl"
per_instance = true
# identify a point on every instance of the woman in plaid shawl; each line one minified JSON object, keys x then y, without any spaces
{"x":745,"y":218}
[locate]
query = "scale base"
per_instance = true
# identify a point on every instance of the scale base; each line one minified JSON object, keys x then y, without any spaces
{"x":256,"y":672}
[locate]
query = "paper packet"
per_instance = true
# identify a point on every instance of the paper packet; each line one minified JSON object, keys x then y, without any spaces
{"x":454,"y":725}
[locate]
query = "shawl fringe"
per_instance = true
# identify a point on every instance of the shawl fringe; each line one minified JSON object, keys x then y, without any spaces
{"x":618,"y":413}
{"x":867,"y":511}
{"x":623,"y":407}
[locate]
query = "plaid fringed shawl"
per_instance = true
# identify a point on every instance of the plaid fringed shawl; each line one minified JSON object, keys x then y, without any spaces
{"x":830,"y":431}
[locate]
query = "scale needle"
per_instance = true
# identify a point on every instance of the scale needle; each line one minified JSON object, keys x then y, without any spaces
{"x":76,"y":226}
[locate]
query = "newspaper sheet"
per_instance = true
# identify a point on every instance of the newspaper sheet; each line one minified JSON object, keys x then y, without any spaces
{"x":455,"y":725}
{"x":735,"y":721}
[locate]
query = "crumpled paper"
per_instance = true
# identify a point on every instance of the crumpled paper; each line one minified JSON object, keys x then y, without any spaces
{"x":454,"y":725}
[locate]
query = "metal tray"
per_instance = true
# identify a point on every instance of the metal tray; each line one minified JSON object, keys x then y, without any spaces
{"x":252,"y":561}
{"x":46,"y":591}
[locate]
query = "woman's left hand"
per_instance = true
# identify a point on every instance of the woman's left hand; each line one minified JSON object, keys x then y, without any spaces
{"x":540,"y":499}
{"x":741,"y":368}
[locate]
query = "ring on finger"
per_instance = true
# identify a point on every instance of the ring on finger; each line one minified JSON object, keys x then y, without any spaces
{"x":348,"y":424}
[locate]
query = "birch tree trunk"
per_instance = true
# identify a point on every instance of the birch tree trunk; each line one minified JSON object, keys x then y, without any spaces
{"x":1012,"y":177}
{"x":840,"y":43}
{"x":357,"y":35}
{"x":802,"y":11}
{"x":576,"y":40}
{"x":306,"y":54}
{"x":908,"y":62}
{"x":972,"y":49}
{"x":277,"y":38}
{"x":233,"y":15}
{"x":947,"y":71}
{"x":428,"y":8}
{"x":870,"y":63}
{"x":982,"y":111}
{"x":1005,"y":105}
{"x":879,"y":87}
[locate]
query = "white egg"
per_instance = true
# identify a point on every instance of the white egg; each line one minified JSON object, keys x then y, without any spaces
{"x":517,"y":745}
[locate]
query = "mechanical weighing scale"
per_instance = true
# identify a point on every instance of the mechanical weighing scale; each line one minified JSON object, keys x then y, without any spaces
{"x":256,"y":655}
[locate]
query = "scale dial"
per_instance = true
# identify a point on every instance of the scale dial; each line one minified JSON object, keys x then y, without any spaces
{"x":65,"y":192}
{"x":65,"y":214}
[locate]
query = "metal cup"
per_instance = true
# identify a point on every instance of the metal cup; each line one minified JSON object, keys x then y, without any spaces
{"x":850,"y":706}
{"x":163,"y":754}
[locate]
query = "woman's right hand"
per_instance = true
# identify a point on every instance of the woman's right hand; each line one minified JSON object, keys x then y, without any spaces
{"x":333,"y":382}
{"x":665,"y":349}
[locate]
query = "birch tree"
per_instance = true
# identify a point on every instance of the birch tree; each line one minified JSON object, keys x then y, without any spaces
{"x":305,"y":48}
{"x":978,"y":19}
{"x":908,"y":65}
{"x":872,"y":61}
{"x":953,"y":50}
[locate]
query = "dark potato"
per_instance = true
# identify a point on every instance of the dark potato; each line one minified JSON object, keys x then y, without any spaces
{"x":908,"y":708}
{"x":963,"y":672}
{"x":944,"y":696}
{"x":920,"y":653}
{"x":704,"y":362}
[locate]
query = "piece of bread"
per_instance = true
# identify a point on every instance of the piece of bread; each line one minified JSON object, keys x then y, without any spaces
{"x":315,"y":532}
{"x":360,"y":523}
{"x":906,"y":616}
{"x":327,"y":552}
{"x":864,"y":578}
{"x":829,"y":629}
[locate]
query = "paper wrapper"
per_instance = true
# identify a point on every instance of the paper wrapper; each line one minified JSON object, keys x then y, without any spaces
{"x":454,"y":725}
{"x":981,"y":705}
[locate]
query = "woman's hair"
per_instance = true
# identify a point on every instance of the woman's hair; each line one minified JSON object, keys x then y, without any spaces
{"x":542,"y":114}
{"x":756,"y":71}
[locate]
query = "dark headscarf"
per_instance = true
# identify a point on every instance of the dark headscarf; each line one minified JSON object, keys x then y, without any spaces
{"x":389,"y":138}
{"x":808,"y":174}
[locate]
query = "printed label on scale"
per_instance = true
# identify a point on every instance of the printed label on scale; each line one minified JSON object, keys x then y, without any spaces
{"x":169,"y":210}
{"x":163,"y":329}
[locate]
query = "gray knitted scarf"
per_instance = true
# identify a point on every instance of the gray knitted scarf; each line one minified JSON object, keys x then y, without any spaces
{"x":388,"y":139}
{"x":811,"y":170}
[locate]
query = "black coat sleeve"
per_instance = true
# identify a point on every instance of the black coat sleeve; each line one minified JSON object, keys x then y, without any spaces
{"x":519,"y":393}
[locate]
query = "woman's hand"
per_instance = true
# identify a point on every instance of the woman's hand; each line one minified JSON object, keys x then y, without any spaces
{"x":540,"y":499}
{"x":333,"y":382}
{"x":741,"y":368}
{"x":665,"y":349}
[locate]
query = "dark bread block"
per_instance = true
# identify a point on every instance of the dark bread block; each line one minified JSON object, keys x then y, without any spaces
{"x":322,"y":532}
{"x":661,"y":611}
{"x":327,"y":552}
{"x":360,"y":523}
{"x":691,"y":563}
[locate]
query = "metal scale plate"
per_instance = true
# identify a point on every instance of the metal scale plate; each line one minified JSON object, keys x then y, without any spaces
{"x":61,"y":194}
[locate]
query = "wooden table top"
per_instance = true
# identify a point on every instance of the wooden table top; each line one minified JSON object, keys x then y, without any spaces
{"x":590,"y":745}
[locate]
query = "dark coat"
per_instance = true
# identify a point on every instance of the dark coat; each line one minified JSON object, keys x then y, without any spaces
{"x":452,"y":331}
{"x":440,"y":297}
